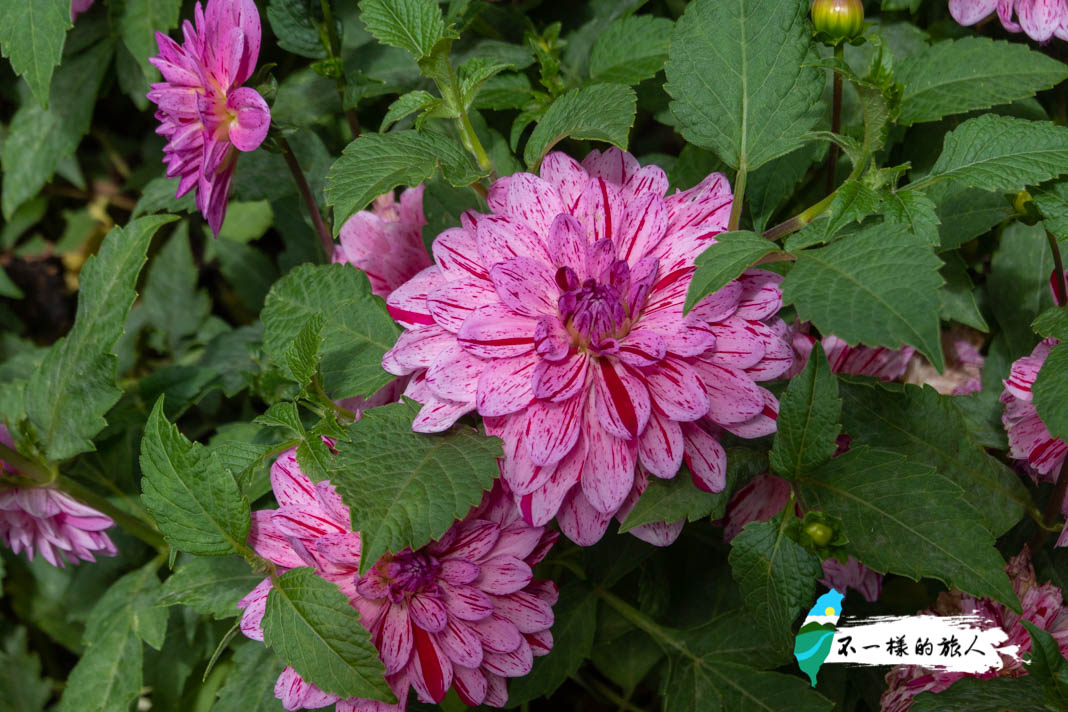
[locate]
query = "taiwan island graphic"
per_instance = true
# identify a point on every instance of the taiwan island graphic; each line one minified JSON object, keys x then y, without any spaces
{"x":813,"y":642}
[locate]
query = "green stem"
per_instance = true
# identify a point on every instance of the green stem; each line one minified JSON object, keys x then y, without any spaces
{"x":148,"y":534}
{"x":736,"y":203}
{"x":471,"y":142}
{"x":1060,"y":286}
{"x":326,"y":400}
{"x":309,"y":199}
{"x":836,"y":119}
{"x":800,"y":220}
{"x":1053,"y":510}
{"x":597,"y":687}
{"x":34,"y":470}
{"x":332,"y":45}
{"x":640,"y":621}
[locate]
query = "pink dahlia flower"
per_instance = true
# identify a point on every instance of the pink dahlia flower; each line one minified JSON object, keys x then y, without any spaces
{"x":1028,"y":437}
{"x":877,"y":361}
{"x":1042,"y":606}
{"x":77,"y":7}
{"x":963,"y":373}
{"x":852,"y":574}
{"x":1038,"y":19}
{"x":387,"y":241}
{"x":558,"y":318}
{"x":49,"y":522}
{"x":462,"y":612}
{"x":204,"y":112}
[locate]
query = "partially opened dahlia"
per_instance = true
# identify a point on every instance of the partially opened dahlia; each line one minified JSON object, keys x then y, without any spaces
{"x":45,"y":521}
{"x":558,"y":318}
{"x":462,"y":612}
{"x":1038,"y":19}
{"x":387,"y":241}
{"x":204,"y":112}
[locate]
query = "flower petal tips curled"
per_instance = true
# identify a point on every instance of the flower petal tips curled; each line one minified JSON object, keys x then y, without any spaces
{"x":204,"y":112}
{"x":1028,"y":437}
{"x":463,"y":612}
{"x":559,"y":319}
{"x":45,"y":521}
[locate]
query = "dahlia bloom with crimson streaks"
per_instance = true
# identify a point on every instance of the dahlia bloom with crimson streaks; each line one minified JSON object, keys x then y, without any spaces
{"x":1042,"y":605}
{"x":45,"y":521}
{"x":558,"y":318}
{"x":387,"y":241}
{"x":462,"y":612}
{"x":1029,"y":439}
{"x":1038,"y":19}
{"x":877,"y":361}
{"x":204,"y":112}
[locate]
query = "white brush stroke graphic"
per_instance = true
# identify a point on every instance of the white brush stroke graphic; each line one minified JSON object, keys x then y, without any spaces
{"x":967,"y":644}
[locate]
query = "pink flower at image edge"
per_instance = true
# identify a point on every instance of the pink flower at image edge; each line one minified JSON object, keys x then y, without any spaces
{"x":462,"y":612}
{"x":77,"y":7}
{"x":45,"y":521}
{"x":1038,"y":19}
{"x":558,"y":318}
{"x":204,"y":112}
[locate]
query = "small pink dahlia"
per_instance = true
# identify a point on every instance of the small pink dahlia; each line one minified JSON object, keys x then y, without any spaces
{"x":1042,"y":605}
{"x":1039,"y":19}
{"x":462,"y":612}
{"x":877,"y":361}
{"x":387,"y":241}
{"x":1028,"y":437}
{"x":558,"y":318}
{"x":204,"y":112}
{"x":46,"y":521}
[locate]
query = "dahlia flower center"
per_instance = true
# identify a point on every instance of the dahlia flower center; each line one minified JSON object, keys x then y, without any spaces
{"x":411,"y":572}
{"x":595,"y":311}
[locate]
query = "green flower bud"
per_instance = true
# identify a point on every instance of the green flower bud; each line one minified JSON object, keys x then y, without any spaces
{"x":838,"y":20}
{"x":819,"y":533}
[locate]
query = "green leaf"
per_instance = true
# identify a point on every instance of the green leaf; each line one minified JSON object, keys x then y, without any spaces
{"x":108,"y":675}
{"x":376,"y":163}
{"x":736,"y":77}
{"x":211,"y":586}
{"x":32,"y":36}
{"x":674,"y":500}
{"x":777,"y":576}
{"x":194,"y":500}
{"x":473,"y":75}
{"x":631,"y":49}
{"x":250,"y":685}
{"x":891,"y":277}
{"x":40,"y":139}
{"x":914,"y":209}
{"x":404,"y":488}
{"x":158,"y":196}
{"x":1001,"y":153}
{"x":957,"y":295}
{"x":20,"y":676}
{"x":406,"y":104}
{"x":311,"y":626}
{"x":808,"y":422}
{"x":1052,"y":202}
{"x":954,"y":77}
{"x":302,"y":356}
{"x":357,"y":330}
{"x":724,"y":261}
{"x":141,"y":20}
{"x":927,"y":428}
{"x":598,"y":112}
{"x":970,"y":694}
{"x":1050,"y":392}
{"x":693,"y":684}
{"x":902,"y":517}
{"x":773,"y":183}
{"x":171,"y":299}
{"x":1052,"y":322}
{"x":296,"y":25}
{"x":414,"y":25}
{"x":8,"y":288}
{"x":247,"y":269}
{"x":852,"y":202}
{"x":74,"y":387}
{"x":573,"y":631}
{"x":966,"y":213}
{"x":1019,"y":284}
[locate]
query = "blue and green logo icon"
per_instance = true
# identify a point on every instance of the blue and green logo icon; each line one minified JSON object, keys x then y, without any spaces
{"x":813,"y":642}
